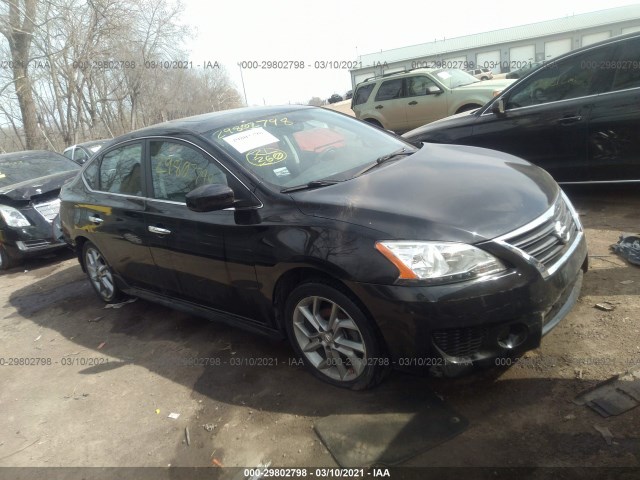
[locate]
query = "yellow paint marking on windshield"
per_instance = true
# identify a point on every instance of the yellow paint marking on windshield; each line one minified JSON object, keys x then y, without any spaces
{"x":263,"y":157}
{"x":275,"y":122}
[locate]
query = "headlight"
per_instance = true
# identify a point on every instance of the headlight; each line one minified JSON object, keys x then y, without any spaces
{"x":13,"y":218}
{"x":439,"y":262}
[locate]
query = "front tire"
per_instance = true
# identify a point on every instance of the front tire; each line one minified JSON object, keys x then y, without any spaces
{"x":100,"y":274}
{"x":333,"y":337}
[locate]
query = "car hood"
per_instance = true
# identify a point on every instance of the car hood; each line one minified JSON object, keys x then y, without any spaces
{"x":36,"y":187}
{"x":442,"y":192}
{"x":437,"y":131}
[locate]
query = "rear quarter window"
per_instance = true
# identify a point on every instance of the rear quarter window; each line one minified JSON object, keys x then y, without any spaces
{"x":362,"y":94}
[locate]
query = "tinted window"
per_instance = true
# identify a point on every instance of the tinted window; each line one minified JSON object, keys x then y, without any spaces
{"x":362,"y":94}
{"x":80,"y":155}
{"x":573,"y":77}
{"x":176,"y":169}
{"x":627,"y":66}
{"x":417,"y":86}
{"x":120,"y":170}
{"x":389,"y":90}
{"x":68,"y":153}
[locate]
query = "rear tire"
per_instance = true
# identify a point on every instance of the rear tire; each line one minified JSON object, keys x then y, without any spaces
{"x":333,"y":337}
{"x":100,"y":274}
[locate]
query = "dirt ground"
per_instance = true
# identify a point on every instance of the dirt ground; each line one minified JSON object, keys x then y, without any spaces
{"x":107,"y":379}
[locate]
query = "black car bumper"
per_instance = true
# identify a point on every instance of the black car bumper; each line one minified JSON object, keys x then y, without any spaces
{"x":39,"y":238}
{"x":450,"y":328}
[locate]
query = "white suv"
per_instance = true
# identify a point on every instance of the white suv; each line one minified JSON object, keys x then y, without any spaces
{"x":407,"y":100}
{"x":481,"y":73}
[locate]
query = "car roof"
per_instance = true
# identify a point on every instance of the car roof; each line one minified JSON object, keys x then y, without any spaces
{"x":93,"y":143}
{"x":397,"y":74}
{"x":199,"y":124}
{"x":29,"y":154}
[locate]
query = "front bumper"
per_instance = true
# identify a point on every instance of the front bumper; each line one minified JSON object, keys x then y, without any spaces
{"x":450,"y":328}
{"x":41,"y":237}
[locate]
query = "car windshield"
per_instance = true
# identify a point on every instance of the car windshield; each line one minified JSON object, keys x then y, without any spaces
{"x":303,"y":146}
{"x":22,"y":168}
{"x":454,"y":77}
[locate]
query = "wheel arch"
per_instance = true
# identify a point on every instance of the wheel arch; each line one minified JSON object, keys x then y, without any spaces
{"x":79,"y":246}
{"x":297,"y":276}
{"x":468,"y":106}
{"x":373,"y":121}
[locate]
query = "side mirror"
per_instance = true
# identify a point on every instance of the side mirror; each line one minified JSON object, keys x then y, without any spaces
{"x":498,"y":107}
{"x":433,"y":90}
{"x":208,"y":198}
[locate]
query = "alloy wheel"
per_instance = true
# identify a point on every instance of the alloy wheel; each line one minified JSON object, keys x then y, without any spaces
{"x":99,"y":274}
{"x":329,"y":338}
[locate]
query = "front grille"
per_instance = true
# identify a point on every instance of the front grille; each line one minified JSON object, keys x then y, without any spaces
{"x":48,"y":209}
{"x":547,"y":238}
{"x":459,"y":342}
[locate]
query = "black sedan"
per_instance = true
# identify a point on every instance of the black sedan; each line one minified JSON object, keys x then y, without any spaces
{"x":29,"y":185}
{"x":576,"y":116}
{"x":301,"y":222}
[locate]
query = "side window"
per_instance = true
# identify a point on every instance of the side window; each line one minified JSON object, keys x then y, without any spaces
{"x":120,"y":170}
{"x":90,"y":175}
{"x":362,"y":94}
{"x":176,"y":169}
{"x":80,"y":156}
{"x":417,"y":86}
{"x":389,"y":90}
{"x":627,"y":66}
{"x":68,"y":153}
{"x":573,"y":77}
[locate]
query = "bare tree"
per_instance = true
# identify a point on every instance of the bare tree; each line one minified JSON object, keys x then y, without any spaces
{"x":17,"y":24}
{"x":94,"y":70}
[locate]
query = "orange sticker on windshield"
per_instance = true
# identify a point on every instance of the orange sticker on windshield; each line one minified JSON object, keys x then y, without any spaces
{"x":263,"y":157}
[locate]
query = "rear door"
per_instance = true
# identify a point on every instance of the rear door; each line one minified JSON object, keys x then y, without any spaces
{"x":390,"y":104}
{"x":614,"y":125}
{"x":113,"y":214}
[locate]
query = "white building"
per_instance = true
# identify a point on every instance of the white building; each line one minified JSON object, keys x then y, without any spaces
{"x":507,"y":49}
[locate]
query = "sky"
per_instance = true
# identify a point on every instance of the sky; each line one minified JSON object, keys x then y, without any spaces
{"x":230,"y":32}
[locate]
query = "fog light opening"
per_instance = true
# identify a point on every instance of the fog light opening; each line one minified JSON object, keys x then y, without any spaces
{"x":512,"y":336}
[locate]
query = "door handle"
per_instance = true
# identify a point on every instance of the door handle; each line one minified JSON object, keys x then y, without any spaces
{"x":569,"y":120}
{"x":158,"y":230}
{"x":378,"y":107}
{"x":95,"y":219}
{"x":413,"y":103}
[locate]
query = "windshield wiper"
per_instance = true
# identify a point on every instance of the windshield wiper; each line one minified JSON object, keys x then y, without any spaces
{"x":385,"y":158}
{"x":312,"y":184}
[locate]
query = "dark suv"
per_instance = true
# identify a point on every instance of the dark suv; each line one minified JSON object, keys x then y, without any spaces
{"x":299,"y":222}
{"x":577,"y":116}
